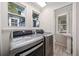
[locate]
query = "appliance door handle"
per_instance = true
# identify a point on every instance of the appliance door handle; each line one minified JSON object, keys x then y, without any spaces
{"x":31,"y":50}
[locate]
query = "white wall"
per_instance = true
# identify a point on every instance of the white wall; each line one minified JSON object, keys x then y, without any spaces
{"x":4,"y":35}
{"x":29,"y":8}
{"x":47,"y":16}
{"x":47,"y":19}
{"x":28,"y":13}
{"x":3,"y":23}
{"x":75,"y":28}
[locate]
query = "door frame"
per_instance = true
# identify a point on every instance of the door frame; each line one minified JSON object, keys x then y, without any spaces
{"x":74,"y":28}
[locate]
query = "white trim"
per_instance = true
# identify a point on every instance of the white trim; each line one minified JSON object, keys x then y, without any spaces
{"x":74,"y":28}
{"x":0,"y":32}
{"x":37,"y":12}
{"x":57,"y":21}
{"x":19,"y":4}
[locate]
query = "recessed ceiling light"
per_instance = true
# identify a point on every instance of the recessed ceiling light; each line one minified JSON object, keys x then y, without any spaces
{"x":41,"y":3}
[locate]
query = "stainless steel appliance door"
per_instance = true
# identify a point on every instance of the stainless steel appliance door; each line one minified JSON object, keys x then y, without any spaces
{"x":31,"y":50}
{"x":37,"y":50}
{"x":49,"y":45}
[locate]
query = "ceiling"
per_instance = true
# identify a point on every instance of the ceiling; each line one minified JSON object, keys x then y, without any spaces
{"x":51,"y":4}
{"x":57,"y":4}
